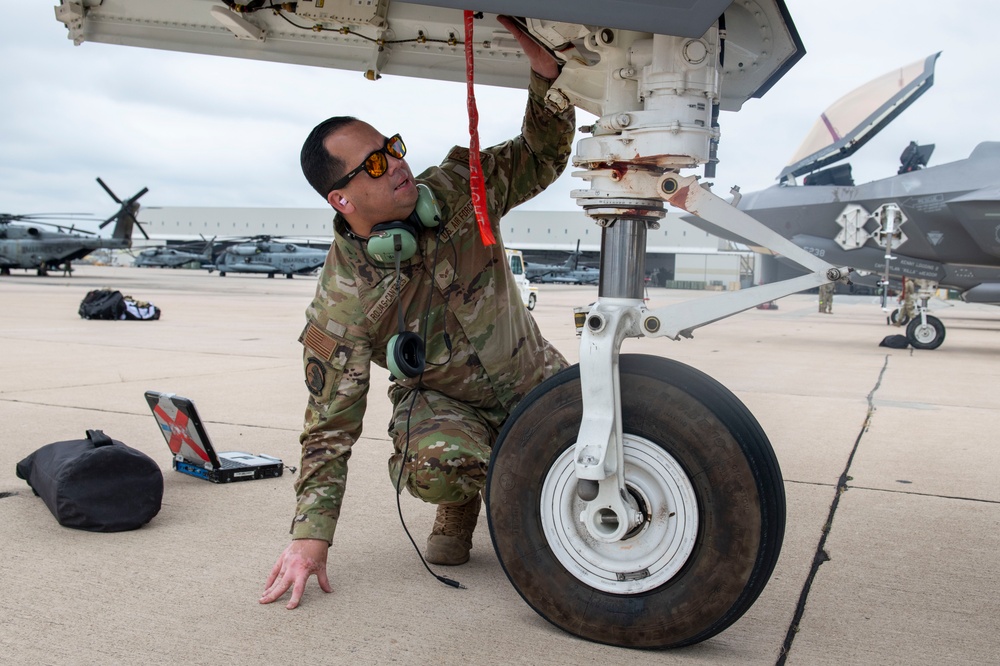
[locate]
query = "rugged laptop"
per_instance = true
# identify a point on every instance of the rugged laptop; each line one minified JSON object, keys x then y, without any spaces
{"x":192,"y":450}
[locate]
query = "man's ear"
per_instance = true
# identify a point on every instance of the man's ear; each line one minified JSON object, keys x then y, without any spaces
{"x":339,"y":203}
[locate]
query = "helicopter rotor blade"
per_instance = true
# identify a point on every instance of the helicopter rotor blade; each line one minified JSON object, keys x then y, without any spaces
{"x":136,"y":196}
{"x":108,"y":190}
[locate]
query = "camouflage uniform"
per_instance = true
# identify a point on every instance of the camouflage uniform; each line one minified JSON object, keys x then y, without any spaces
{"x":907,"y":309}
{"x":484,"y":351}
{"x":826,"y":298}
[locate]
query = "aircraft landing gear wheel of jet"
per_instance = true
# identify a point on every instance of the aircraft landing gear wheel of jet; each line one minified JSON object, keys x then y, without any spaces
{"x":893,"y":318}
{"x":925,"y":336}
{"x":707,"y":484}
{"x":531,"y":301}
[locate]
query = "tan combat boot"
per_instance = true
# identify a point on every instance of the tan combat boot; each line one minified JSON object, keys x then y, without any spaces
{"x":451,"y":537}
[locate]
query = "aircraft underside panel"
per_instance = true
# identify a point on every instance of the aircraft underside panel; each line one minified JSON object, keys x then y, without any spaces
{"x":415,"y":39}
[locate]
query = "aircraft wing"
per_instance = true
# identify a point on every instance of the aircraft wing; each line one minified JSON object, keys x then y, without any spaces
{"x":425,"y":38}
{"x":855,"y":118}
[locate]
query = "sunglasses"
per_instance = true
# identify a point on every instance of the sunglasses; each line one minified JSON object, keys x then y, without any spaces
{"x":376,"y":163}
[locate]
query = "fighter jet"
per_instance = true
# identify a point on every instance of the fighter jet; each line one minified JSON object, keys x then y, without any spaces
{"x":939,"y":225}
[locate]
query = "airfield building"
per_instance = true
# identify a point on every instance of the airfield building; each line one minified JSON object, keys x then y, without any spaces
{"x":677,"y":254}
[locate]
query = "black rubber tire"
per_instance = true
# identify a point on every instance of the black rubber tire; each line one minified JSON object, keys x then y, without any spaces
{"x":894,"y":317}
{"x":728,"y":460}
{"x":531,"y":301}
{"x":929,"y":336}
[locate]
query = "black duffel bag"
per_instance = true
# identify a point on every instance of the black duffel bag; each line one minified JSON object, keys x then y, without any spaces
{"x":102,"y":304}
{"x":96,"y":484}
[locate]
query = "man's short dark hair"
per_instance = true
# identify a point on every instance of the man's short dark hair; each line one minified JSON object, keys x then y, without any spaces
{"x":321,"y":168}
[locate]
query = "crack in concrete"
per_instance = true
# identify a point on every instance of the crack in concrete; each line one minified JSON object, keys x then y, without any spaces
{"x":821,"y":555}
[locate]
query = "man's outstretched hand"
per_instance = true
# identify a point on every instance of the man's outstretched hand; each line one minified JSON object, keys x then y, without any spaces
{"x":302,"y":559}
{"x":542,"y":62}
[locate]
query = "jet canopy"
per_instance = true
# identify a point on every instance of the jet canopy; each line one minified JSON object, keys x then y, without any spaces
{"x":855,"y":118}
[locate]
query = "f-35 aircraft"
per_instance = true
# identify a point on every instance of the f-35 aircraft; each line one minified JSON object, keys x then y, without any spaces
{"x":30,"y":247}
{"x":938,"y":225}
{"x":262,"y":254}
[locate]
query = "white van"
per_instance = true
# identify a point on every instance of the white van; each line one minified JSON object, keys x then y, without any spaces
{"x":529,"y":292}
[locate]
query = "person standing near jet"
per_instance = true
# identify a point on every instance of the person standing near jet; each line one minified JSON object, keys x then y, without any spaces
{"x":484,"y":352}
{"x":907,"y":309}
{"x":826,"y":298}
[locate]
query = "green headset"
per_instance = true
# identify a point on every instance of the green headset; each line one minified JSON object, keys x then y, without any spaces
{"x":392,"y":243}
{"x":385,"y":237}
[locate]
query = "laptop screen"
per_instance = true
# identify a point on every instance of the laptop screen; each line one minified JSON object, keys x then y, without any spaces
{"x":181,"y":428}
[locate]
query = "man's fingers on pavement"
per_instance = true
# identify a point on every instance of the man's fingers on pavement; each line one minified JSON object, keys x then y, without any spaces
{"x":324,"y":581}
{"x":297,"y":590}
{"x":274,"y":590}
{"x":275,"y":570}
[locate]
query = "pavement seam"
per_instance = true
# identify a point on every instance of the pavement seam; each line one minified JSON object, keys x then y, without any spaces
{"x":142,"y":415}
{"x":821,"y":555}
{"x":934,"y":495}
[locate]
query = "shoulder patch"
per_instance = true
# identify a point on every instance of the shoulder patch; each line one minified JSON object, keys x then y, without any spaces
{"x":315,"y":376}
{"x":322,"y":343}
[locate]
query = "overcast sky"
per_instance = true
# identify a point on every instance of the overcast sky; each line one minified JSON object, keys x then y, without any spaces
{"x":210,"y":131}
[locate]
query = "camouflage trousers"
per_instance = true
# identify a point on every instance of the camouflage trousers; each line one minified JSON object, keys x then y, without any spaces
{"x":446,"y":445}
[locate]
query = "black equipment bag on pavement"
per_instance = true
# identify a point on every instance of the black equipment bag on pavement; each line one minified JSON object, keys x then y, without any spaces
{"x":111,"y":304}
{"x":96,"y":484}
{"x":895,"y":342}
{"x":102,"y":304}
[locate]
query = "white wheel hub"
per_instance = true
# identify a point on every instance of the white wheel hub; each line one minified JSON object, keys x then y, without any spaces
{"x":649,"y":555}
{"x":924,"y":333}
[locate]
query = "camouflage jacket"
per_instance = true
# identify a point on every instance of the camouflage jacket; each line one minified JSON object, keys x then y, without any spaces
{"x":452,"y":289}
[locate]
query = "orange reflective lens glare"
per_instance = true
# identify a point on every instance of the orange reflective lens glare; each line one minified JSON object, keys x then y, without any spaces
{"x":376,"y":163}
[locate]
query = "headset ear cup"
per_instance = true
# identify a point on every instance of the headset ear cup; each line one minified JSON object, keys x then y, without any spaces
{"x":427,"y":210}
{"x":405,"y":355}
{"x":381,"y":245}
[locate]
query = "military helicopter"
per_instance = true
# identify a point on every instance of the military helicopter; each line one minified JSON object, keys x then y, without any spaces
{"x":937,"y":225}
{"x":30,"y":247}
{"x":170,"y":257}
{"x":263,"y":254}
{"x":538,"y":272}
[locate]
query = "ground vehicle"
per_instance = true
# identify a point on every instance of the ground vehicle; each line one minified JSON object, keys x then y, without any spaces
{"x":529,"y":293}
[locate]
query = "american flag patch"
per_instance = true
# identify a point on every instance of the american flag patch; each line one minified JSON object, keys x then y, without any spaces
{"x":320,"y":342}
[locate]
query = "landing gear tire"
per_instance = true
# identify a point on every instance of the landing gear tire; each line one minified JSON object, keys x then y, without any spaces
{"x":893,"y":318}
{"x":925,"y":336}
{"x":702,"y":473}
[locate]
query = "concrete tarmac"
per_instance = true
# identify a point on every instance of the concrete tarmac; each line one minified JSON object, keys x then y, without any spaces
{"x":889,"y":457}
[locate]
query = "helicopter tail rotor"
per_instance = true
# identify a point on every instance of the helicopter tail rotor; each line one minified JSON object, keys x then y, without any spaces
{"x":125,"y":218}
